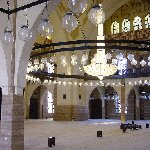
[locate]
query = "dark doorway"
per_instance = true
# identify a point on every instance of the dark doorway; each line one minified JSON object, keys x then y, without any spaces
{"x":33,"y":114}
{"x":95,"y":107}
{"x":0,"y":101}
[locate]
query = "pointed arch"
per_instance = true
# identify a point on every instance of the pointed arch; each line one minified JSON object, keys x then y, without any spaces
{"x":24,"y":49}
{"x":95,"y":105}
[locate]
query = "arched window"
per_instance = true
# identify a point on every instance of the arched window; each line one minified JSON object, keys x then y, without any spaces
{"x":50,"y":103}
{"x":118,"y":103}
{"x":137,"y":23}
{"x":115,"y":27}
{"x":147,"y":21}
{"x":126,"y":25}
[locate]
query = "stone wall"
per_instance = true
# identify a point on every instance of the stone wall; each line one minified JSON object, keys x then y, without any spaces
{"x":69,"y":112}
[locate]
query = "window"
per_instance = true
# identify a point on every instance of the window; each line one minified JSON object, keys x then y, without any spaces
{"x":125,"y":25}
{"x":50,"y":103}
{"x":137,"y":23}
{"x":147,"y":21}
{"x":50,"y":68}
{"x":115,"y":27}
{"x":118,"y":104}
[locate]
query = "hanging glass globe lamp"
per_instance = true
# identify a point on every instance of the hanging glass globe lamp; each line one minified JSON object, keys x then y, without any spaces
{"x":77,"y":6}
{"x":7,"y":37}
{"x":96,"y":15}
{"x":69,"y":22}
{"x":45,"y":28}
{"x":24,"y":33}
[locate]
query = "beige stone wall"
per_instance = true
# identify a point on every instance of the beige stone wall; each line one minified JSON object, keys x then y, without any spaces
{"x":129,"y":10}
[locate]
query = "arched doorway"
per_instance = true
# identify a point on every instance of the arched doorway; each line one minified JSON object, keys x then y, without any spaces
{"x":0,"y":101}
{"x":95,"y":105}
{"x":112,"y":103}
{"x":144,"y":94}
{"x":41,"y":103}
{"x":34,"y":104}
{"x":131,"y":108}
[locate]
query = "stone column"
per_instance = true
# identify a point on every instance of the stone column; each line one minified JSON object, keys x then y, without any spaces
{"x":12,"y":122}
{"x":136,"y":89}
{"x":138,"y":113}
{"x":123,"y":106}
{"x":103,"y":108}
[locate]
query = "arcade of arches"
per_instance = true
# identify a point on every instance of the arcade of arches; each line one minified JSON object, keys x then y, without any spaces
{"x":20,"y":100}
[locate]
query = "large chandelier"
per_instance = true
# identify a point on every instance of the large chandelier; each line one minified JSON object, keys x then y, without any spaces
{"x":99,"y":66}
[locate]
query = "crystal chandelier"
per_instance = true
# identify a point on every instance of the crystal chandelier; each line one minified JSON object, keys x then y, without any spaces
{"x":99,"y":66}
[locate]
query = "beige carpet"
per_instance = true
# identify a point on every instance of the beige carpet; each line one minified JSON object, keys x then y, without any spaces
{"x":82,"y":135}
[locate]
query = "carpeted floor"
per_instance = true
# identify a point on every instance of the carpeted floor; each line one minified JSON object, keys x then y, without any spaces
{"x":82,"y":135}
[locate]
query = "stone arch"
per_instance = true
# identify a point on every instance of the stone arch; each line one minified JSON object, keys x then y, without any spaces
{"x":29,"y":90}
{"x":4,"y":70}
{"x":144,"y":99}
{"x":5,"y":55}
{"x":127,"y":92}
{"x":36,"y":102}
{"x":112,"y":103}
{"x":95,"y":104}
{"x":89,"y":91}
{"x":131,"y":107}
{"x":25,"y":48}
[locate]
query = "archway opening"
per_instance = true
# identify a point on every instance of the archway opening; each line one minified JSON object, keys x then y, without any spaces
{"x":34,"y":104}
{"x":95,"y":105}
{"x":41,"y":103}
{"x":144,"y":95}
{"x":112,"y":103}
{"x":48,"y":105}
{"x":131,"y":113}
